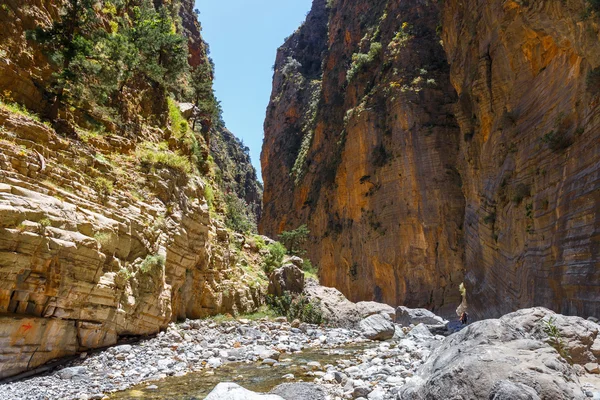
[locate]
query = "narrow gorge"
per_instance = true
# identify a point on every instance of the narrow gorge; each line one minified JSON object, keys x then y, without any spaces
{"x":428,"y":225}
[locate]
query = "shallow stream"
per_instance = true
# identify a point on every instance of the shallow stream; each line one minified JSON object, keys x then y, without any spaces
{"x":252,"y":376}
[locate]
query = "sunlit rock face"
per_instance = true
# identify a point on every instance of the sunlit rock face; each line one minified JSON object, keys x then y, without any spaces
{"x":428,"y":144}
{"x":369,"y":164}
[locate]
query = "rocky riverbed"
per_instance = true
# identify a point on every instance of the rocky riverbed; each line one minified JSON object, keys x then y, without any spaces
{"x":184,"y":348}
{"x":507,"y":358}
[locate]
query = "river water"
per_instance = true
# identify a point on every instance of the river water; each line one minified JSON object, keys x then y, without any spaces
{"x":252,"y":376}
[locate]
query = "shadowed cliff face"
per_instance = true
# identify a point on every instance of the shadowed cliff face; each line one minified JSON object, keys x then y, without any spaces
{"x":530,"y":157}
{"x":369,"y":164}
{"x":413,"y":175}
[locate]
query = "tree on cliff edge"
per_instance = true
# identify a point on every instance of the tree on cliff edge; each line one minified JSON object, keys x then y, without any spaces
{"x":68,"y":44}
{"x":98,"y":48}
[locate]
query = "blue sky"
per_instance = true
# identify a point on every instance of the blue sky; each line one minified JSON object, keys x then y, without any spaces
{"x":244,"y":36}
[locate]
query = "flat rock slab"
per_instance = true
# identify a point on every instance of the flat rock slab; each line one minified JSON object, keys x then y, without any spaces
{"x":300,"y":391}
{"x":232,"y":391}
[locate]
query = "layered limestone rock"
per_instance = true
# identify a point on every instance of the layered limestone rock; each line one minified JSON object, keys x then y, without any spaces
{"x":413,"y":175}
{"x":369,"y":162}
{"x":80,"y":267}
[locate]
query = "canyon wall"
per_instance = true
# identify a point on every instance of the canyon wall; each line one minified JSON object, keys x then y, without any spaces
{"x":106,"y":234}
{"x":426,"y":144}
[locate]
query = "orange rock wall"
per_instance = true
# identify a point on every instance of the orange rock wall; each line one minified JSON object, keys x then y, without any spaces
{"x":380,"y":191}
{"x":433,"y":165}
{"x":532,"y":218}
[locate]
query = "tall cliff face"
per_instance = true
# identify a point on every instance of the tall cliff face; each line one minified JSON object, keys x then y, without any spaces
{"x":368,"y":162}
{"x":418,"y":166}
{"x":102,"y":233}
{"x":530,"y":156}
{"x":237,"y":175}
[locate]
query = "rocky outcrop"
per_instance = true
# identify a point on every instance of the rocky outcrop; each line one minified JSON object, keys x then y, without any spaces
{"x":505,"y":359}
{"x":417,"y":166}
{"x":288,"y":278}
{"x":406,"y":317}
{"x":81,"y":267}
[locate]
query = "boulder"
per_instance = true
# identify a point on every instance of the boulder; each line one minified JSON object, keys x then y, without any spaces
{"x":288,"y":278}
{"x":338,"y":310}
{"x":580,"y":337}
{"x":232,"y":391}
{"x":420,"y":332}
{"x":300,"y":390}
{"x":496,"y":359}
{"x":377,"y":327}
{"x":297,"y":261}
{"x":72,"y":372}
{"x":187,"y":110}
{"x":367,"y":308}
{"x":414,"y":316}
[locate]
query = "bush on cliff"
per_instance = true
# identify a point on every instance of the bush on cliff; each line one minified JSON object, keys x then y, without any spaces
{"x":274,"y":257}
{"x":97,"y":53}
{"x":361,"y":60}
{"x":238,"y":217}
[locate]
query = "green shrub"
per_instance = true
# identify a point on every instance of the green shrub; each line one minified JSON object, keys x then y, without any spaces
{"x":310,"y":271}
{"x":238,"y":216}
{"x":103,"y":238}
{"x":209,"y":195}
{"x":125,"y":273}
{"x":490,"y":219}
{"x":593,"y":79}
{"x":179,"y":125}
{"x":151,"y":155}
{"x":260,"y":242}
{"x":274,"y":257}
{"x":555,"y":338}
{"x":103,"y":187}
{"x":557,"y":140}
{"x":381,"y":156}
{"x":521,"y":191}
{"x":360,"y":61}
{"x":299,"y":307}
{"x":19,"y":109}
{"x":295,"y":239}
{"x":152,"y":263}
{"x":594,"y":5}
{"x":43,"y":224}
